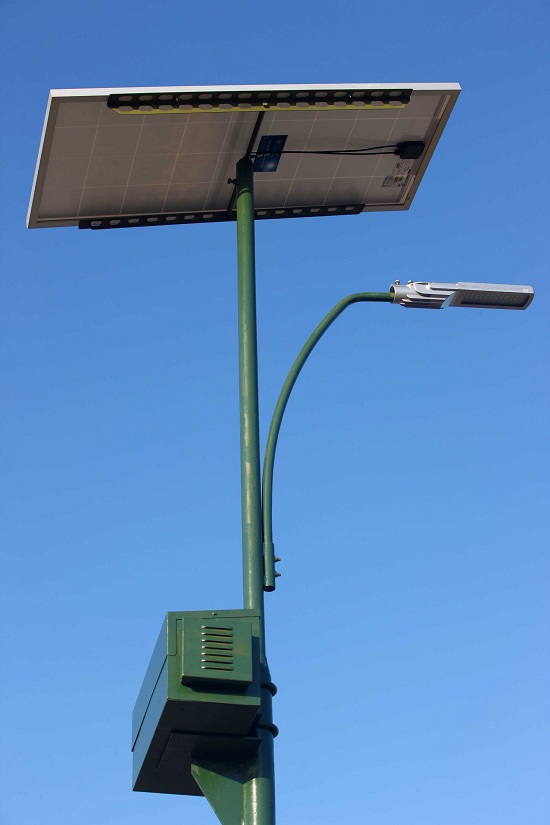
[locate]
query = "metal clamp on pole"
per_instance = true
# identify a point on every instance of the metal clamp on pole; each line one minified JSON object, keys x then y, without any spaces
{"x":270,"y":559}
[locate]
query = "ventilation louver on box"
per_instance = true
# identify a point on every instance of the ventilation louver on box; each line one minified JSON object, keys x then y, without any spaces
{"x":217,"y":648}
{"x":217,"y":651}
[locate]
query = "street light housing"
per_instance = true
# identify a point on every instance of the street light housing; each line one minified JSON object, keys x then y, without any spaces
{"x":439,"y":295}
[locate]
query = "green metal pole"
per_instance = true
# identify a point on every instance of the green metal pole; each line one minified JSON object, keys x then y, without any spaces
{"x":284,"y":395}
{"x":259,"y":786}
{"x":248,"y":383}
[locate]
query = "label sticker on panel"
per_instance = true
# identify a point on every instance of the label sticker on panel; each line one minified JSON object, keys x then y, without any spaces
{"x":400,"y":174}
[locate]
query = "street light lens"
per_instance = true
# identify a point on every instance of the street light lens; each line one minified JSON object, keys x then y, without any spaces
{"x":513,"y":300}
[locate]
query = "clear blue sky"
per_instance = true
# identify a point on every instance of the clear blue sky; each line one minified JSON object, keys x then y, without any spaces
{"x":409,"y":631}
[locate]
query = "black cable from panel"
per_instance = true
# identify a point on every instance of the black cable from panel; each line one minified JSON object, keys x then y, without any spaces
{"x":409,"y":149}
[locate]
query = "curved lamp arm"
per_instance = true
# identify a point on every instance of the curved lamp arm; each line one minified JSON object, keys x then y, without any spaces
{"x":271,"y":444}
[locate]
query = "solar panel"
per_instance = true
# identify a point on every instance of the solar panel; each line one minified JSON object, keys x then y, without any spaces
{"x":127,"y":157}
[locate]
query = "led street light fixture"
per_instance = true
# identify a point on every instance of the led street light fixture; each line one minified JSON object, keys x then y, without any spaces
{"x":438,"y":296}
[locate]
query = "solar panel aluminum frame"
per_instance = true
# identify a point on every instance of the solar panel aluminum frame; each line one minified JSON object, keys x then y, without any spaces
{"x":81,"y":184}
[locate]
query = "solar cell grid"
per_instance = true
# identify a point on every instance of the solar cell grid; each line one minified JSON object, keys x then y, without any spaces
{"x":96,"y":163}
